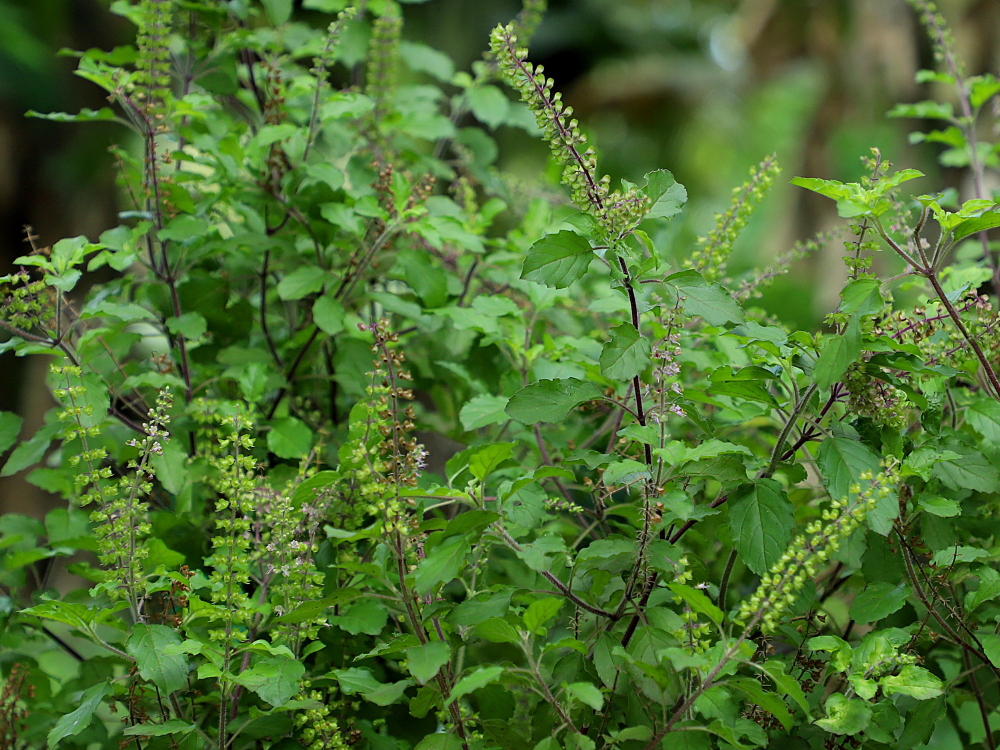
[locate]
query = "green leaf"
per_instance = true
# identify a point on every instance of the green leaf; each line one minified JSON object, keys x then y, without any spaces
{"x":278,"y":11}
{"x":989,"y":588}
{"x":311,"y":610}
{"x":557,"y":260}
{"x":301,"y":282}
{"x":74,"y":614}
{"x":845,"y":716}
{"x":171,"y":726}
{"x":626,"y":354}
{"x":761,"y":519}
{"x":842,"y":461}
{"x":698,"y":601}
{"x":442,"y":564}
{"x":105,"y":114}
{"x":913,"y":681}
{"x":439,"y":741}
{"x":356,"y":680}
{"x":941,"y":507}
{"x":667,"y":196}
{"x":541,"y":612}
{"x":368,"y":617}
{"x":988,"y":220}
{"x":425,"y":661}
{"x":838,"y":353}
{"x":478,"y":679}
{"x":991,"y":647}
{"x":289,"y":438}
{"x":550,"y":400}
{"x":878,"y":600}
{"x":839,"y":648}
{"x":76,"y":721}
{"x":190,"y":325}
{"x":984,"y":416}
{"x":423,"y":59}
{"x":586,"y":693}
{"x":146,"y":645}
{"x":709,"y":301}
{"x":483,"y":411}
{"x":274,"y":678}
{"x":497,"y":630}
{"x":328,"y":315}
{"x":489,"y":104}
{"x":973,"y":471}
{"x":926,"y":110}
{"x":624,"y":471}
{"x":488,"y":458}
{"x":386,"y":695}
{"x":862,"y":296}
{"x":958,"y":554}
{"x":10,"y":427}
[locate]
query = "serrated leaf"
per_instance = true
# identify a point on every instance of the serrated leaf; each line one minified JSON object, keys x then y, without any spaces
{"x":171,"y":726}
{"x":440,"y":741}
{"x":761,"y":519}
{"x":483,"y":411}
{"x":76,"y":721}
{"x":426,"y":661}
{"x":497,"y":630}
{"x":709,"y":301}
{"x":488,"y":458}
{"x":146,"y":644}
{"x":838,"y":352}
{"x":842,"y":461}
{"x":988,"y":220}
{"x":368,"y":617}
{"x":550,"y":400}
{"x":586,"y":693}
{"x":973,"y":471}
{"x":984,"y":416}
{"x":10,"y":427}
{"x":667,"y":196}
{"x":489,"y":104}
{"x":328,"y":315}
{"x":289,"y":438}
{"x":274,"y":678}
{"x":478,"y":679}
{"x":913,"y":681}
{"x":442,"y":565}
{"x":557,"y":260}
{"x":301,"y":282}
{"x":845,"y":715}
{"x":878,"y":600}
{"x":626,"y":354}
{"x":541,"y":612}
{"x":698,"y":601}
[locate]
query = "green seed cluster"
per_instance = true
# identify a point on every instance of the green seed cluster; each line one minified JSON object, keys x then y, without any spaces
{"x":713,"y":251}
{"x":230,"y":560}
{"x":152,"y":67}
{"x":779,"y":588}
{"x":879,"y":401}
{"x":24,"y":304}
{"x":383,"y":61}
{"x":121,"y":515}
{"x":942,"y":40}
{"x":617,"y":213}
{"x":318,"y":731}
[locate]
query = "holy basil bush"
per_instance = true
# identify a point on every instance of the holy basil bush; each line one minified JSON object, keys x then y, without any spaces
{"x":672,"y":520}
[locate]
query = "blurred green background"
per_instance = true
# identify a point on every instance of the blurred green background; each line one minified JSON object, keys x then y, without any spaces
{"x":705,"y":88}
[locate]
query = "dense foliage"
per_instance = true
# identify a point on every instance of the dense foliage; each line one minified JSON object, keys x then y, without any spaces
{"x":666,"y":519}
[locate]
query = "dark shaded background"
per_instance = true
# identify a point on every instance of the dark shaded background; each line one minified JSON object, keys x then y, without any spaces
{"x":704,"y":88}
